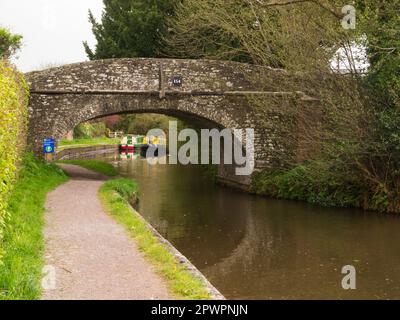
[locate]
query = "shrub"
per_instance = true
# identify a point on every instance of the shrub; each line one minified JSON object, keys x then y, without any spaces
{"x":320,"y":182}
{"x":90,"y":130}
{"x":13,"y":115}
{"x":9,"y":43}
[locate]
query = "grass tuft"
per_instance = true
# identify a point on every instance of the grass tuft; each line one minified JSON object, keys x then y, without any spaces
{"x":115,"y":195}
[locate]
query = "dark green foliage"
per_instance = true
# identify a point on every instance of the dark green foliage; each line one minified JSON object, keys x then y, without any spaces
{"x":142,"y":123}
{"x":327,"y":183}
{"x":130,"y":28}
{"x":363,"y":156}
{"x":380,"y":153}
{"x":194,"y":35}
{"x":380,"y":22}
{"x":312,"y":182}
{"x":90,"y":130}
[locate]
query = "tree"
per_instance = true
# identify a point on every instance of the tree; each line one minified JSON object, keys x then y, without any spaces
{"x":198,"y":31}
{"x":355,"y":134}
{"x":142,"y":123}
{"x":9,"y":43}
{"x":380,"y":21}
{"x":130,"y":28}
{"x":273,"y":33}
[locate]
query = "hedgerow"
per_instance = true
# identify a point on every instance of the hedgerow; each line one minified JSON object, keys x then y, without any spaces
{"x":13,"y":121}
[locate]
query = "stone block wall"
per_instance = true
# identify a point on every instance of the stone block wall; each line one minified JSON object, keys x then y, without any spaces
{"x":212,"y":94}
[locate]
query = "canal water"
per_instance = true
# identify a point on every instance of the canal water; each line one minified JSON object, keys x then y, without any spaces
{"x":252,"y":247}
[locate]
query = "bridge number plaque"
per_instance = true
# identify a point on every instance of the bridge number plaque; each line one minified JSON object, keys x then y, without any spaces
{"x":49,"y":146}
{"x":177,"y":81}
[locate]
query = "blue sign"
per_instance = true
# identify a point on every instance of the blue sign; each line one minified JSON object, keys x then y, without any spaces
{"x":49,"y":145}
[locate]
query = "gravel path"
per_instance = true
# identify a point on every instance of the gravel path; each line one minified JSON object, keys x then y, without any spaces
{"x":92,"y":255}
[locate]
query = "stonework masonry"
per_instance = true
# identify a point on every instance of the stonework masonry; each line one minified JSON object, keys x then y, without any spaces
{"x":213,"y":94}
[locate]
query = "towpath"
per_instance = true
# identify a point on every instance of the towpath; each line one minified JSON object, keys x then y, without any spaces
{"x":91,"y":254}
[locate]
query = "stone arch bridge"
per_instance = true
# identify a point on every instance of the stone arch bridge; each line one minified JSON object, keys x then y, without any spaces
{"x":206,"y":93}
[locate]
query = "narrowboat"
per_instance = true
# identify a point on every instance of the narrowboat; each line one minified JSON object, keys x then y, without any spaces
{"x":130,"y":143}
{"x":157,"y":146}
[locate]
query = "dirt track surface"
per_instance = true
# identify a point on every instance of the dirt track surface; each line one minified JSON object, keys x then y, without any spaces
{"x":92,"y":255}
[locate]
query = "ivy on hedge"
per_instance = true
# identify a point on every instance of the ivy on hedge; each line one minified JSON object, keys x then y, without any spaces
{"x":14,"y":94}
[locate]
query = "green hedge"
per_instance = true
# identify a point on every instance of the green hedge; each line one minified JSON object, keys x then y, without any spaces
{"x":13,"y":119}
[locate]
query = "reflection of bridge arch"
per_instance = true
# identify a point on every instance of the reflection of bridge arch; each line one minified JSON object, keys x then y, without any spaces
{"x":243,"y":253}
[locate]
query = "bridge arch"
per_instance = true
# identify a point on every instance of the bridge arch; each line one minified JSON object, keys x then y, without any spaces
{"x":205,"y":92}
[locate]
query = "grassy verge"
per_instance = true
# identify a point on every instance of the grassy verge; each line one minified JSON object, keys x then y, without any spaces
{"x":115,"y":195}
{"x":95,"y":165}
{"x":76,"y":143}
{"x":23,"y":243}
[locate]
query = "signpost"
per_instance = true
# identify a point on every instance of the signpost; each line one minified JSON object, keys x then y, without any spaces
{"x":49,"y":148}
{"x":177,"y":81}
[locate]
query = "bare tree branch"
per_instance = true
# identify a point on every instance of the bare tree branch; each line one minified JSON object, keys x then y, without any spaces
{"x":292,"y":2}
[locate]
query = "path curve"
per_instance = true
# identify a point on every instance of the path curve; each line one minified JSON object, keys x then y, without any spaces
{"x":92,"y":255}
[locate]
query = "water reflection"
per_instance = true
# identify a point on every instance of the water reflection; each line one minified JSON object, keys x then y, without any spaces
{"x":129,"y":155}
{"x":256,"y":248}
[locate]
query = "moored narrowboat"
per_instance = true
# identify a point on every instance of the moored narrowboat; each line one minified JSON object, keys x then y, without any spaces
{"x":130,"y":143}
{"x":157,"y":146}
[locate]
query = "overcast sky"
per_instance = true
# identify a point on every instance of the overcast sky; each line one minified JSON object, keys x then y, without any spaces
{"x":53,"y":30}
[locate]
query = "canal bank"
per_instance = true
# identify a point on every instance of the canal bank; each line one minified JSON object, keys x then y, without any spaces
{"x":251,"y":247}
{"x":86,"y":152}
